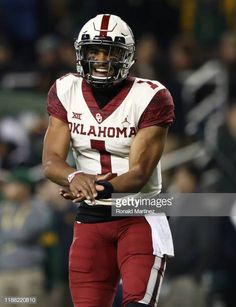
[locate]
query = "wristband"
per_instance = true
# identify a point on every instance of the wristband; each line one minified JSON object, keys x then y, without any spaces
{"x":71,"y":176}
{"x":108,"y":189}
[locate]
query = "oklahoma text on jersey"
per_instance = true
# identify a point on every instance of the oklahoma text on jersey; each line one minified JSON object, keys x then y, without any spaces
{"x":106,"y":132}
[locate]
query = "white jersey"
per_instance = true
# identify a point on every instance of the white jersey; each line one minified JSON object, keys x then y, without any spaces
{"x":101,"y":138}
{"x":101,"y":142}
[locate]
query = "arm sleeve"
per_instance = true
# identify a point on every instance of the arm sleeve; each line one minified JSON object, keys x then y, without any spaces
{"x":159,"y":112}
{"x":54,"y":105}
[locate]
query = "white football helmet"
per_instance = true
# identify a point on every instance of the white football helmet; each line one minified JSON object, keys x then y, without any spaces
{"x":109,"y":33}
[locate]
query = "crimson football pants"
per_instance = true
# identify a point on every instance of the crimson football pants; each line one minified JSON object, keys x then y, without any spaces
{"x":102,"y":253}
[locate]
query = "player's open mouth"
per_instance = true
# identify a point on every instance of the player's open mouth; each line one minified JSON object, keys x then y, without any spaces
{"x":102,"y":71}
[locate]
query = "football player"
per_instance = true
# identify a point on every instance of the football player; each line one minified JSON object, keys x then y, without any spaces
{"x":117,"y":127}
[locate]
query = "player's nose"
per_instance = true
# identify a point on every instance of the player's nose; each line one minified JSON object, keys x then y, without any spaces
{"x":102,"y":56}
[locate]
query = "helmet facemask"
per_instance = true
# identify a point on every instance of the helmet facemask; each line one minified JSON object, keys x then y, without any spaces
{"x":115,"y":68}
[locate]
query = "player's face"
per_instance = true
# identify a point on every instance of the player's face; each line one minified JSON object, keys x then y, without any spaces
{"x":102,"y":58}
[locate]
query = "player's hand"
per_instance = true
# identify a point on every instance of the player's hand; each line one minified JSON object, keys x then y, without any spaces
{"x":84,"y":186}
{"x":69,"y":196}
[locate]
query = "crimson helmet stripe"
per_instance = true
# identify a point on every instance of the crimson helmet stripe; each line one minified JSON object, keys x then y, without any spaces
{"x":104,"y":25}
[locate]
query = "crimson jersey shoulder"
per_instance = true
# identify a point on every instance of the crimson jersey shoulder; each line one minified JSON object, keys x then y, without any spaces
{"x":56,"y":96}
{"x":160,"y":110}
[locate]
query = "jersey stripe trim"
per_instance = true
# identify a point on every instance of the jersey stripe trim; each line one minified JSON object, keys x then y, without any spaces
{"x":104,"y":25}
{"x":157,"y":288}
{"x":154,"y":283}
{"x":112,"y":105}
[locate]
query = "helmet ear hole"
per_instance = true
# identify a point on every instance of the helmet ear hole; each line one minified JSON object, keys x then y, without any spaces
{"x":113,"y":36}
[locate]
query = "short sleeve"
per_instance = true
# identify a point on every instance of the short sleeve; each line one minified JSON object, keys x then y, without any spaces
{"x":54,"y":105}
{"x":159,"y":112}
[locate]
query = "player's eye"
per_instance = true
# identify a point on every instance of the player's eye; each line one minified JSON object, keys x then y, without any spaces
{"x":116,"y":54}
{"x":93,"y":51}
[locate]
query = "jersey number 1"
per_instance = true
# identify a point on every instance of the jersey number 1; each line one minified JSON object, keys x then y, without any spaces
{"x":105,"y":156}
